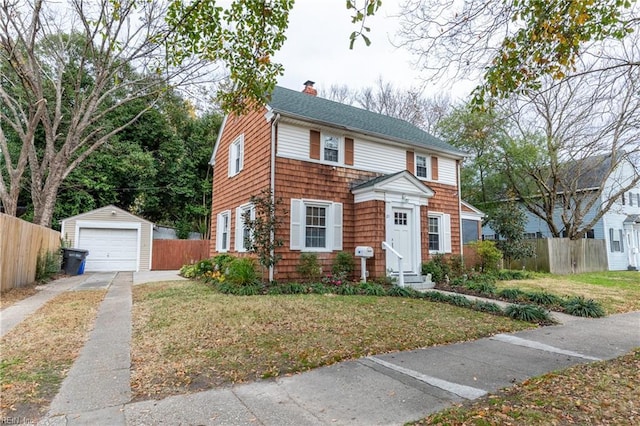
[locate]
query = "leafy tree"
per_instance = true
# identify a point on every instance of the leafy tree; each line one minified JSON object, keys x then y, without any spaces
{"x":509,"y":222}
{"x":263,"y":228}
{"x":513,"y":43}
{"x":479,"y":133}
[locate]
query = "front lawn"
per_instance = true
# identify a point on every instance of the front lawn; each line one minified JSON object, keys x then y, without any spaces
{"x":187,"y":337}
{"x":600,"y":393}
{"x":617,"y":291}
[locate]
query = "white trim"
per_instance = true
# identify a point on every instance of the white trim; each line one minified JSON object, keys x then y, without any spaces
{"x":212,"y":161}
{"x":334,"y":234}
{"x":412,"y":262}
{"x":444,"y":232}
{"x":341,"y":148}
{"x":239,"y":242}
{"x":236,"y":152}
{"x":427,"y":165}
{"x":219,"y":225}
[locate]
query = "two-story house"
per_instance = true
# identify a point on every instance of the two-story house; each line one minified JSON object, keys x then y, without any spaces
{"x":347,"y":177}
{"x":619,"y":226}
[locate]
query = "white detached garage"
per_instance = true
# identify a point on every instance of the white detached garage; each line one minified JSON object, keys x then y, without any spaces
{"x":117,"y":240}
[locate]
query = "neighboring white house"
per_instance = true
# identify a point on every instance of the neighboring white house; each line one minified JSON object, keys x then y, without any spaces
{"x":619,"y":227}
{"x":116,"y":240}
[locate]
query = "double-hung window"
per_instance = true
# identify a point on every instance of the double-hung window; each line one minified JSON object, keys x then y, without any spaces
{"x":422,"y":171}
{"x":616,"y":240}
{"x":236,"y":156}
{"x":222,"y":231}
{"x":330,"y":148}
{"x":243,"y":233}
{"x":439,"y":227}
{"x":316,"y":225}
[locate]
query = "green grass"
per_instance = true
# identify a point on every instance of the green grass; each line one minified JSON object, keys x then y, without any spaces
{"x":187,"y":337}
{"x":616,"y":291}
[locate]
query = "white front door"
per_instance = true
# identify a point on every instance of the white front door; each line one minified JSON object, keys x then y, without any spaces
{"x":401,"y":239}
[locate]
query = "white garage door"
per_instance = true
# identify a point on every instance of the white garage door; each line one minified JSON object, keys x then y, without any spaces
{"x":109,"y":249}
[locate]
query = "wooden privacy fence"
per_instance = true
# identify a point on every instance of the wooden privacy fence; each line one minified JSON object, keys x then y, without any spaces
{"x":21,"y":243}
{"x":558,"y":256}
{"x":169,"y":255}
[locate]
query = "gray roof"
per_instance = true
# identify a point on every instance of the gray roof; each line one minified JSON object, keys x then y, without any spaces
{"x":301,"y":105}
{"x":376,"y":180}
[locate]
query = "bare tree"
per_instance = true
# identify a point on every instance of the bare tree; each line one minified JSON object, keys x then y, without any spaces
{"x":577,"y":146}
{"x":513,"y":44}
{"x":65,"y":70}
{"x":384,"y":98}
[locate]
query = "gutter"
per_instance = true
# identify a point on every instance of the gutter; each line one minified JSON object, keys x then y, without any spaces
{"x":272,"y":177}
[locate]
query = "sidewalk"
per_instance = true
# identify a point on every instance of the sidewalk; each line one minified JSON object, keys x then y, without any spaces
{"x":388,"y":389}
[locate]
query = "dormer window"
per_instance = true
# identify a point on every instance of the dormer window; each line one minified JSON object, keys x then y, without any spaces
{"x":330,"y":148}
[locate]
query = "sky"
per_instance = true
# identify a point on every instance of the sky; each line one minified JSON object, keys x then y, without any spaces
{"x":317,"y":49}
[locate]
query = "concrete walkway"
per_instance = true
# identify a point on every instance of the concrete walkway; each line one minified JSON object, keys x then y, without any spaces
{"x":388,"y":389}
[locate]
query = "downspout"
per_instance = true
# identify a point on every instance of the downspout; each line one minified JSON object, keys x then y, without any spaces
{"x":272,"y":183}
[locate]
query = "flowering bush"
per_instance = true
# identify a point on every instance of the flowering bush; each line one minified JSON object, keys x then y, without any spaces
{"x":335,"y":280}
{"x":215,"y":277}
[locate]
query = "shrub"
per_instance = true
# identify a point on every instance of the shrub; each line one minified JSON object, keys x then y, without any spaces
{"x":346,"y":289}
{"x":436,"y":271}
{"x":544,"y":298}
{"x":309,"y":267}
{"x":397,"y":291}
{"x":221,"y":262}
{"x":372,"y":289}
{"x":287,"y":288}
{"x":456,"y":282}
{"x":242,"y":272}
{"x":334,"y":280}
{"x":456,"y":266}
{"x":343,"y":264}
{"x":482,"y":286}
{"x":47,"y":265}
{"x":248,"y":290}
{"x":581,"y":307}
{"x":512,"y":294}
{"x":529,"y":313}
{"x":319,"y":288}
{"x":436,"y":296}
{"x":198,"y":269}
{"x":458,"y":300}
{"x":488,"y":307}
{"x":488,"y":254}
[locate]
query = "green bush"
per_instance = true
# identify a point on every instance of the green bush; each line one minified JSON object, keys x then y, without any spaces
{"x":397,"y":291}
{"x":372,"y":289}
{"x":343,"y":264}
{"x":319,"y":288}
{"x":544,"y":298}
{"x":346,"y":290}
{"x":456,"y":282}
{"x":221,"y":262}
{"x":47,"y":265}
{"x":458,"y":300}
{"x":483,"y":286}
{"x":456,"y":266}
{"x":488,"y":307}
{"x":529,"y":313}
{"x":242,"y":272}
{"x":292,"y":288}
{"x":488,"y":254}
{"x":309,"y":267}
{"x":581,"y":307}
{"x":436,"y":271}
{"x":511,"y":274}
{"x":436,"y":296}
{"x":513,"y":294}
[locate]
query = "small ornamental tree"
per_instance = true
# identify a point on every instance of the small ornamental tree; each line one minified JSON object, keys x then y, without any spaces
{"x":262,"y":228}
{"x":508,"y":221}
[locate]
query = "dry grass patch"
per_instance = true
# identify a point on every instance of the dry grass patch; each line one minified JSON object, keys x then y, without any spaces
{"x":617,"y":292}
{"x":602,"y":393}
{"x":186,"y":337}
{"x":37,"y":353}
{"x":14,"y":295}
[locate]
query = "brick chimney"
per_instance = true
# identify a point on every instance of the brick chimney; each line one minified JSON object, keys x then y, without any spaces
{"x":308,"y":88}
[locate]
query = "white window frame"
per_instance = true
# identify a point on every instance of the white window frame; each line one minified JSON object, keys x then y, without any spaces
{"x":616,"y":240}
{"x":240,"y":228}
{"x":427,"y":167}
{"x":340,"y":139}
{"x":236,"y":156}
{"x":444,"y":232}
{"x":333,"y":225}
{"x":223,"y":246}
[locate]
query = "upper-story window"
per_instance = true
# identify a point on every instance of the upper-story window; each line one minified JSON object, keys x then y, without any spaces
{"x":422,"y":171}
{"x":330,"y":148}
{"x":236,"y":156}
